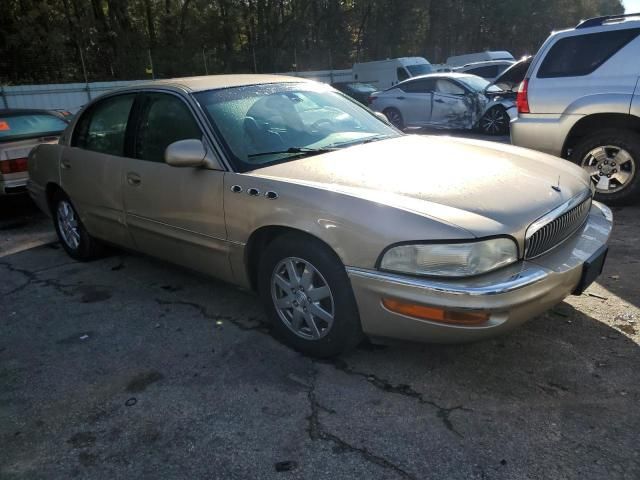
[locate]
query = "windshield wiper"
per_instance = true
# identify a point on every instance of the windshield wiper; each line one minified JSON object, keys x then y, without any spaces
{"x":360,"y":141}
{"x":293,"y":150}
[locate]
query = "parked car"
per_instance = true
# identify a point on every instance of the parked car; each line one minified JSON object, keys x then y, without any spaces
{"x":581,"y":101}
{"x":358,"y":91}
{"x":446,"y":100}
{"x":339,"y":223}
{"x":460,"y":60}
{"x":20,"y":131}
{"x":489,"y":70}
{"x":386,"y":73}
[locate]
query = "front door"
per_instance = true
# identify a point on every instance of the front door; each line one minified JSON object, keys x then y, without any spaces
{"x":91,"y":168}
{"x":173,"y":213}
{"x":452,"y":107}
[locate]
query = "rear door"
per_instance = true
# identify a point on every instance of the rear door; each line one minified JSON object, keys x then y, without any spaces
{"x":173,"y":213}
{"x":91,"y":167}
{"x":451,"y":107}
{"x":414,"y":100}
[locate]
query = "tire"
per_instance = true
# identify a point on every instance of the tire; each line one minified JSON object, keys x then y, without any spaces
{"x":616,"y":152}
{"x":495,"y":121}
{"x":71,"y":232}
{"x":395,"y":117}
{"x":316,"y":266}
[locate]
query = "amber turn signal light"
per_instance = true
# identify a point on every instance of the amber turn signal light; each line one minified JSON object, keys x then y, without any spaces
{"x":435,"y":314}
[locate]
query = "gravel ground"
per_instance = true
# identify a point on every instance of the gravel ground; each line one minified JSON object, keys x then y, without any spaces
{"x":130,"y":368}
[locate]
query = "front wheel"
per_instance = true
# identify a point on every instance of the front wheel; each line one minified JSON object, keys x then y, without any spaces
{"x":71,"y":232}
{"x":612,"y":159}
{"x":495,"y":121}
{"x":308,"y":296}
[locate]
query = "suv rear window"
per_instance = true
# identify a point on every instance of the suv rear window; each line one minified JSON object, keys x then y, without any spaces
{"x":583,"y":54}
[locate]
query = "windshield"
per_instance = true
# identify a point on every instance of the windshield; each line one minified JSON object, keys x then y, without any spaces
{"x":271,"y":123}
{"x":29,"y":125}
{"x":478,"y":84}
{"x":362,"y":87}
{"x":421,"y":69}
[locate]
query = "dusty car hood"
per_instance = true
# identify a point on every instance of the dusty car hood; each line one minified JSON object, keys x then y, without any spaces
{"x":484,"y":187}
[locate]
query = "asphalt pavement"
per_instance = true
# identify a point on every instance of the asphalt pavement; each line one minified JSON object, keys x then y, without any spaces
{"x":128,"y":367}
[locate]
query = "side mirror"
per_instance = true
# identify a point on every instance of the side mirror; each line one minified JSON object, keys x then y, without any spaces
{"x":190,"y":153}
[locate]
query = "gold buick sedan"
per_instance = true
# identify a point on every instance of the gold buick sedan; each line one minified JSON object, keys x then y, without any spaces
{"x":344,"y":226}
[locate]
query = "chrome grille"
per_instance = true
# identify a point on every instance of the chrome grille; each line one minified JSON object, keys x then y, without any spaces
{"x":550,"y":232}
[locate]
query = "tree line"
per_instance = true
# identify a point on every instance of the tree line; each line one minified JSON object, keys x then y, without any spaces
{"x":47,"y":41}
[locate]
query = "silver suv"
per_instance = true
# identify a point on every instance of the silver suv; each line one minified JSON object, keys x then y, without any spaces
{"x":580,"y":100}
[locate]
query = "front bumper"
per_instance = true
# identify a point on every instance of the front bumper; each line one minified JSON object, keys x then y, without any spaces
{"x":511,"y":295}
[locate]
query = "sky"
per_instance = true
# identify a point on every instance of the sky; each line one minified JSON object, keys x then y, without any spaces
{"x":632,"y":6}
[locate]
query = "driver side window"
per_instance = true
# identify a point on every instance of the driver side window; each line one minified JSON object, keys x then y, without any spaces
{"x":449,"y":88}
{"x":164,"y":119}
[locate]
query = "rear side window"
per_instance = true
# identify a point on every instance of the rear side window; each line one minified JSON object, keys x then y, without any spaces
{"x":164,"y":119}
{"x":102,"y":128}
{"x":419,"y":86}
{"x":23,"y":125}
{"x":583,"y":54}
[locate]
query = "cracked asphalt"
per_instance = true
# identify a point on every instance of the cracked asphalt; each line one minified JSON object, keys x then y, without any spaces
{"x":127,"y":367}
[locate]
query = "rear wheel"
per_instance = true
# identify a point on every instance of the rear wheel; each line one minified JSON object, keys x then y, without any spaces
{"x":495,"y":121}
{"x":71,"y":232}
{"x":612,"y":159}
{"x":395,"y":117}
{"x":308,"y":296}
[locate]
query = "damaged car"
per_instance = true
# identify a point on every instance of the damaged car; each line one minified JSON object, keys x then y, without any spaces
{"x":446,"y":100}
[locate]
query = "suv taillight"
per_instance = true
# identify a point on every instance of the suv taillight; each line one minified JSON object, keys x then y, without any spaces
{"x":13,"y":166}
{"x":522,"y":100}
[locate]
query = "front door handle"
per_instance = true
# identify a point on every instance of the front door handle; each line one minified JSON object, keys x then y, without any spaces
{"x":133,"y":179}
{"x":65,"y":163}
{"x":440,"y":101}
{"x":400,"y":98}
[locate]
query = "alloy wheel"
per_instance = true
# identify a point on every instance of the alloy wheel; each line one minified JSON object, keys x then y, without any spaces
{"x":611,"y":168}
{"x":395,"y":118}
{"x":303,"y":299}
{"x":68,"y":224}
{"x":494,"y":121}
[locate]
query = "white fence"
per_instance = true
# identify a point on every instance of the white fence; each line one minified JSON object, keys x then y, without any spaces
{"x":66,"y":96}
{"x":72,"y":96}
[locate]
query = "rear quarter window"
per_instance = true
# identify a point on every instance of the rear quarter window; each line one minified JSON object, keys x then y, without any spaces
{"x":583,"y":54}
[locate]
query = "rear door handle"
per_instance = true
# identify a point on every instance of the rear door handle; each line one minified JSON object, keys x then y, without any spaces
{"x":66,"y":164}
{"x":400,"y":98}
{"x":133,"y":179}
{"x":440,"y":101}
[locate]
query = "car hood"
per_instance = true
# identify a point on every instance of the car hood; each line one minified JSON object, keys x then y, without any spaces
{"x":483,"y":187}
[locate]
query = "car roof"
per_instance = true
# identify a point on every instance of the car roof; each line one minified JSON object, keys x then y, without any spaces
{"x":212,"y":82}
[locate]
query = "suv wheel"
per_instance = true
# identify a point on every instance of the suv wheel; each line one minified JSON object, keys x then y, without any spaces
{"x":612,"y":158}
{"x":308,"y":296}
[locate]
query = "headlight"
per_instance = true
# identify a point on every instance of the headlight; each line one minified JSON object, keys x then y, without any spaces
{"x":451,"y":259}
